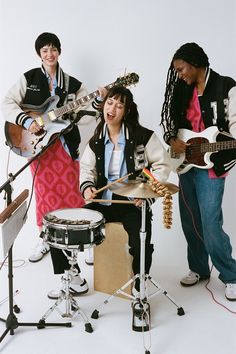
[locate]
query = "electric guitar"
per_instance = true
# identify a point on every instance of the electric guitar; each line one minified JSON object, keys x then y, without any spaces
{"x":201,"y":147}
{"x":49,"y":117}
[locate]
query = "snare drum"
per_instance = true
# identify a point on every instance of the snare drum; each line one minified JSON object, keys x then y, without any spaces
{"x":73,"y":228}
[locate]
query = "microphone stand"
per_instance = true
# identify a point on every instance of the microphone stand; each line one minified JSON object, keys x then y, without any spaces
{"x":11,"y":321}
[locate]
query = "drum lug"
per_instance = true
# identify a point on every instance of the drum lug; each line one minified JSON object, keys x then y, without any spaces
{"x":66,"y":236}
{"x":92,"y":235}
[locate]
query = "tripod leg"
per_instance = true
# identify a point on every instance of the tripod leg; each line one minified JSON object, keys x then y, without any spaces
{"x":75,"y":307}
{"x":11,"y":325}
{"x":95,"y":313}
{"x":180,"y":310}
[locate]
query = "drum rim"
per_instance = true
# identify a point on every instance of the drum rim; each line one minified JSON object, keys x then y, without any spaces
{"x":71,"y":226}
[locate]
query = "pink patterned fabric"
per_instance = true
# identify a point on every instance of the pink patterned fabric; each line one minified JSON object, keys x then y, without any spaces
{"x":56,"y":182}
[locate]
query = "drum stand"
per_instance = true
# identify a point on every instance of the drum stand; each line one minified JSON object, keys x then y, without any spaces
{"x":71,"y":306}
{"x":140,"y":305}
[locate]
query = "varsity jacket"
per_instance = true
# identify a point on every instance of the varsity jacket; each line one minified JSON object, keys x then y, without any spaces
{"x":32,"y":88}
{"x":214,"y":105}
{"x":147,"y":152}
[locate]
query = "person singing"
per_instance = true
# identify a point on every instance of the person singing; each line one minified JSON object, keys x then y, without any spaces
{"x":119,"y":146}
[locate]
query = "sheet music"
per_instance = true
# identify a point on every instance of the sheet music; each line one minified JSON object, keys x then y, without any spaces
{"x":11,"y":228}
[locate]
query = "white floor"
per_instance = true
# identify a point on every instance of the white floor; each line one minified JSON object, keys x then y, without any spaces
{"x":206,"y":327}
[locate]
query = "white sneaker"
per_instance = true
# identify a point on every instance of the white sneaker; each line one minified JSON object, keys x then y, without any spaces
{"x":230,"y":292}
{"x":41,"y":249}
{"x":78,"y":287}
{"x":192,"y":278}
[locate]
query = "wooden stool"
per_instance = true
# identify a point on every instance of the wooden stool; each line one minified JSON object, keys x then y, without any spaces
{"x":112,"y":261}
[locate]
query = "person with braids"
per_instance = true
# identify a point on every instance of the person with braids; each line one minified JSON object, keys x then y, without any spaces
{"x":196,"y":98}
{"x":121,"y":146}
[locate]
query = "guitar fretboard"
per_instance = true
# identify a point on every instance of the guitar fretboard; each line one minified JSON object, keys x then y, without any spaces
{"x":217,"y":146}
{"x":71,"y":106}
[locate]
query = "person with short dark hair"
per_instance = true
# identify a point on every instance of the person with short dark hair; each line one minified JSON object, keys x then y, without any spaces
{"x":56,"y":171}
{"x":198,"y":99}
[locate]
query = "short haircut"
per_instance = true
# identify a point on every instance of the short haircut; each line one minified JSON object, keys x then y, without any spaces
{"x":47,"y":38}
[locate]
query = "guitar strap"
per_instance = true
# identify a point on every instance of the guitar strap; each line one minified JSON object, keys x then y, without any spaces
{"x":66,"y":88}
{"x":72,"y":138}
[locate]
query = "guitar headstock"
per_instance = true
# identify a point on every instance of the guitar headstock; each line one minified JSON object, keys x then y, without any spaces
{"x":127,"y":80}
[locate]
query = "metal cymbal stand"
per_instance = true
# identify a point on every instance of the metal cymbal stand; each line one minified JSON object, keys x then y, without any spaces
{"x":140,"y":305}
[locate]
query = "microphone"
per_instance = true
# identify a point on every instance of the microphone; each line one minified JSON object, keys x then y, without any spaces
{"x":88,"y":113}
{"x":82,"y":113}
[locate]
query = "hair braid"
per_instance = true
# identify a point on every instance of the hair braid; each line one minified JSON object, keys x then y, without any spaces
{"x":166,"y":108}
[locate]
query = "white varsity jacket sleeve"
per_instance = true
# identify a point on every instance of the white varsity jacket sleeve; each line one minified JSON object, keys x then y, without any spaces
{"x":88,"y":171}
{"x":13,"y":99}
{"x":158,"y":158}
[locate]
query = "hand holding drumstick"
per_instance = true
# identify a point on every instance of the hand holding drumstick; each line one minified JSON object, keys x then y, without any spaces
{"x":91,"y":192}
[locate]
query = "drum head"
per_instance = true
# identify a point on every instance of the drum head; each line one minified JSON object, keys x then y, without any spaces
{"x":73,"y":218}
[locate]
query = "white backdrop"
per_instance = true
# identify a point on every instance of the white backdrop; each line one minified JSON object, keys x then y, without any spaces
{"x":101,"y":39}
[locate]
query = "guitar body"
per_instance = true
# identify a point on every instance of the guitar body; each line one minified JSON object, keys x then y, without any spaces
{"x":49,"y":117}
{"x":26,"y":144}
{"x":194,"y":156}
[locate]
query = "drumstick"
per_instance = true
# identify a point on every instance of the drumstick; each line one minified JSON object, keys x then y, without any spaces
{"x":110,"y":201}
{"x":110,"y":184}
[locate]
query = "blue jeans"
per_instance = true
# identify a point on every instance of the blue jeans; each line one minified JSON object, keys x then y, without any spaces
{"x":200,"y":203}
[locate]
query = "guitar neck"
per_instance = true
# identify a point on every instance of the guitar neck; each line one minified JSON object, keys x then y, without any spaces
{"x":71,"y":106}
{"x":219,"y":145}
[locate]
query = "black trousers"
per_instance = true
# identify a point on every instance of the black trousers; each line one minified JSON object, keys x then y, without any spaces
{"x":130,"y":216}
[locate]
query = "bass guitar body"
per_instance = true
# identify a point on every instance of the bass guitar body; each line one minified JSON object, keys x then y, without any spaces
{"x":197,"y":153}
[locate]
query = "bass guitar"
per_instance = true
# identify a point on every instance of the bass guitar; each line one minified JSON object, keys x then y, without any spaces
{"x":200,"y":148}
{"x":50,"y":118}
